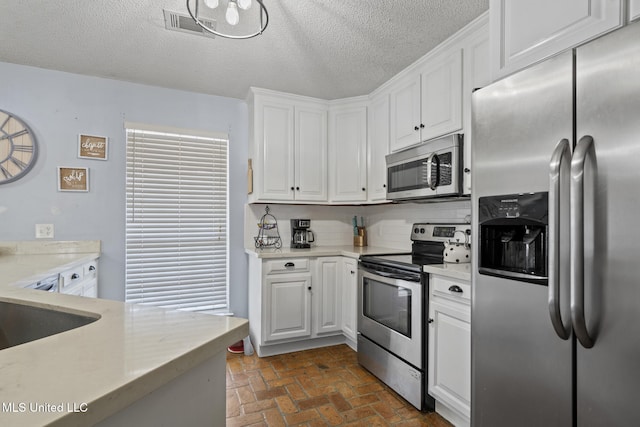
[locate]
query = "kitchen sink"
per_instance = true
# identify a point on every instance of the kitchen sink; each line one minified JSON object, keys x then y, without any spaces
{"x":20,"y":323}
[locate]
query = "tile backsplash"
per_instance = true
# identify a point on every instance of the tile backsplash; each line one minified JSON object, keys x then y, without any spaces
{"x":388,"y":225}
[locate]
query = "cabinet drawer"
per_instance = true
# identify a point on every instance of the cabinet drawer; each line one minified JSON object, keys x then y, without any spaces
{"x":286,"y":265}
{"x":71,"y":276}
{"x":90,"y":269}
{"x":451,"y":289}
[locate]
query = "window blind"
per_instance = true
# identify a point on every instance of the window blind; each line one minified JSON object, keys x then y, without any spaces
{"x":176,"y":220}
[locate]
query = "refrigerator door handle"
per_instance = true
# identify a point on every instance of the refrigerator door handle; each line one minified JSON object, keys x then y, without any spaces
{"x":582,"y":150}
{"x":561,"y":152}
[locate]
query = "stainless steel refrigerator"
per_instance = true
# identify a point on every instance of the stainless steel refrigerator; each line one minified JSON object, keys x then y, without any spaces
{"x":559,"y":346}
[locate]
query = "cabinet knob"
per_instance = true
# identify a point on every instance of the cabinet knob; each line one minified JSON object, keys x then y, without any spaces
{"x":384,"y":185}
{"x":293,"y":188}
{"x":455,"y":288}
{"x":363,"y":189}
{"x":309,"y":288}
{"x":289,"y":264}
{"x":421,"y":126}
{"x":430,"y":320}
{"x":297,"y":188}
{"x":467,"y":170}
{"x":416,"y":128}
{"x":353,"y":272}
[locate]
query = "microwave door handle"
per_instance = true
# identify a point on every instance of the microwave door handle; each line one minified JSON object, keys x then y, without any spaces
{"x":561,"y":152}
{"x":582,"y":150}
{"x":432,"y":185}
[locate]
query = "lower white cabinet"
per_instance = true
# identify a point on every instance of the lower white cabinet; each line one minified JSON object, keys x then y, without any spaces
{"x":288,"y":304}
{"x":449,"y":358}
{"x":300,"y":303}
{"x":349,"y":300}
{"x":81,"y":280}
{"x":327,"y":295}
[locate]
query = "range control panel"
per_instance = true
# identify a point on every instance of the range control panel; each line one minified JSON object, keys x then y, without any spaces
{"x":441,"y":232}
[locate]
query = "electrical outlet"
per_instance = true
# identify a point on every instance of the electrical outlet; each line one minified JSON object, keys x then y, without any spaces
{"x":44,"y":231}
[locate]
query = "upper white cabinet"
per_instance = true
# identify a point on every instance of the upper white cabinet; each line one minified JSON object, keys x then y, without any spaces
{"x":348,"y":152}
{"x":378,"y":147}
{"x":525,"y":32}
{"x":476,"y":74}
{"x":428,"y":103}
{"x":441,"y":111}
{"x":405,"y":113}
{"x":289,"y":144}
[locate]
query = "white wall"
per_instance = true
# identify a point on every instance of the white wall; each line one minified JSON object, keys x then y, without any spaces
{"x":58,"y":106}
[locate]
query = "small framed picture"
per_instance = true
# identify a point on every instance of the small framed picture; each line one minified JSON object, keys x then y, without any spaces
{"x":73,"y":179}
{"x":93,"y":147}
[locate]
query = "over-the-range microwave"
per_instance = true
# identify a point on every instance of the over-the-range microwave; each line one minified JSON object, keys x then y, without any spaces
{"x":430,"y":169}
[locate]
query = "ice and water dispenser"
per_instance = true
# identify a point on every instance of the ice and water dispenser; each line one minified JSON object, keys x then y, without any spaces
{"x":513,"y":236}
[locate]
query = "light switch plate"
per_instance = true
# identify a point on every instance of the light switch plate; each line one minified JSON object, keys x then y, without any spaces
{"x":44,"y":231}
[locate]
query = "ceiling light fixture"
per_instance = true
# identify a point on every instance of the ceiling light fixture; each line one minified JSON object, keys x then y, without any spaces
{"x":231,"y":15}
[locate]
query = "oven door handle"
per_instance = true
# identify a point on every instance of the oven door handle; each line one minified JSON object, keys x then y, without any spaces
{"x":389,"y":275}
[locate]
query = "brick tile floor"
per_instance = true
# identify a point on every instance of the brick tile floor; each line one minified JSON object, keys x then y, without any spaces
{"x":321,"y":387}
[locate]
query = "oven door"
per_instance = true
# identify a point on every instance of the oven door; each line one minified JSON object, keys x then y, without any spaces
{"x":390,"y":312}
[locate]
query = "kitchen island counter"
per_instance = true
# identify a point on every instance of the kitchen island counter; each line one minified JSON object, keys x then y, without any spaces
{"x":95,"y":373}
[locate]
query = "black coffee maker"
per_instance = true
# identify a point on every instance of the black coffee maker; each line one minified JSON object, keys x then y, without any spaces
{"x":301,"y":236}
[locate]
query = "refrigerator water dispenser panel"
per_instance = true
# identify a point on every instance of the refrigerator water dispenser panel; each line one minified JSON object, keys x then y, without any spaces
{"x":513,"y":236}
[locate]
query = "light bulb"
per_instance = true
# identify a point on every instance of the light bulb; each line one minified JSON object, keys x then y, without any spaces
{"x":212,"y":3}
{"x":244,"y":4}
{"x":232,"y":15}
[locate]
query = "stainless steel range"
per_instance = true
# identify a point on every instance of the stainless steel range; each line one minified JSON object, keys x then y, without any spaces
{"x":393,"y":308}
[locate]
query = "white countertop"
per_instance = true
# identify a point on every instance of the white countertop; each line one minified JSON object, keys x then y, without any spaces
{"x":317,"y":251}
{"x":128,"y":352}
{"x":453,"y":270}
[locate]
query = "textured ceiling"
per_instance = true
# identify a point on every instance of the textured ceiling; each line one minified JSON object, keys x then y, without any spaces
{"x":323,"y":48}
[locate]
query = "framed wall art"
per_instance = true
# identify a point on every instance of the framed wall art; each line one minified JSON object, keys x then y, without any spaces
{"x":73,"y":179}
{"x":93,"y":147}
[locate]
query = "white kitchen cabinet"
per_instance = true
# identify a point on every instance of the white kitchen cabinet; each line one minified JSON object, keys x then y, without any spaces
{"x":378,"y":147}
{"x":288,"y":306}
{"x":525,"y":32}
{"x":289,"y":144}
{"x":428,"y":102}
{"x":296,"y":303}
{"x":634,"y":10}
{"x":327,"y":296}
{"x":81,"y":280}
{"x":348,"y":152}
{"x":405,"y":113}
{"x":349,"y":299}
{"x":310,"y":153}
{"x":441,"y":102}
{"x":449,"y":358}
{"x":477,"y":74}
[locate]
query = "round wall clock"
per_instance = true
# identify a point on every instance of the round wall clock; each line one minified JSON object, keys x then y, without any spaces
{"x":18,"y":148}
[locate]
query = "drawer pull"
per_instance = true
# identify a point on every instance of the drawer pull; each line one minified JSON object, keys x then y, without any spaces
{"x":429,"y":320}
{"x":289,"y":264}
{"x":455,"y":288}
{"x":92,"y":268}
{"x":75,"y":276}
